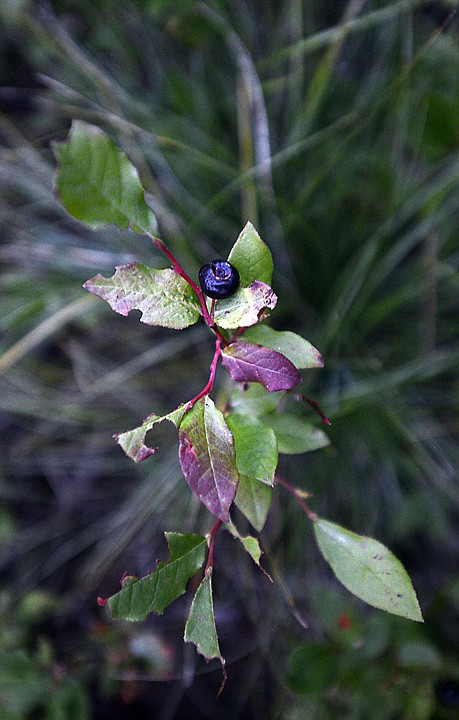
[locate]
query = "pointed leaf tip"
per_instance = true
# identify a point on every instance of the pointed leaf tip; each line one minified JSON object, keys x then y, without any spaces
{"x":200,"y":627}
{"x":252,"y":257}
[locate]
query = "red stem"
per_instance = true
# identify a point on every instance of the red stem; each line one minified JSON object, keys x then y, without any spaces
{"x":210,"y":383}
{"x":311,"y":515}
{"x":180,"y":271}
{"x":315,"y":405}
{"x":210,"y":557}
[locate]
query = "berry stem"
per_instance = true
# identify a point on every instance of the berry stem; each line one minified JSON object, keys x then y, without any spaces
{"x":180,"y":271}
{"x":311,"y":515}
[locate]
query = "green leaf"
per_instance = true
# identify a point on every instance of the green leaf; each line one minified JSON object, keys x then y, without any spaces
{"x":207,"y":457}
{"x":200,"y":627}
{"x":163,"y":297}
{"x":98,"y":184}
{"x":293,"y":346}
{"x":158,"y":589}
{"x":250,"y":545}
{"x":252,"y":257}
{"x":133,"y":441}
{"x":368,"y":570}
{"x":244,"y":307}
{"x":253,"y":499}
{"x":256,"y":447}
{"x":254,"y":399}
{"x":295,"y":435}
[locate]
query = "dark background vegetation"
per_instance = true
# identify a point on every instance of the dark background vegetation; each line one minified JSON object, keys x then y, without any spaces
{"x":334,"y":127}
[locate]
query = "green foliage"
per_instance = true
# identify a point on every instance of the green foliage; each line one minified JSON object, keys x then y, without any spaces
{"x":254,"y":500}
{"x":368,"y":569}
{"x":298,"y":350}
{"x":336,"y":136}
{"x":162,"y":586}
{"x":294,"y":434}
{"x":200,"y":627}
{"x":162,"y":296}
{"x":256,"y":447}
{"x":213,"y":450}
{"x":252,"y":257}
{"x":98,"y":185}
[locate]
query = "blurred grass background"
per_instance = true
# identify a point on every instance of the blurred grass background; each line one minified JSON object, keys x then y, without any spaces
{"x":334,"y":127}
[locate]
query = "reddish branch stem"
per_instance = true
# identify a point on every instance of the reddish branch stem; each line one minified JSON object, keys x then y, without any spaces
{"x":208,"y":317}
{"x":311,"y":515}
{"x":210,"y":557}
{"x":210,"y":383}
{"x":315,"y":405}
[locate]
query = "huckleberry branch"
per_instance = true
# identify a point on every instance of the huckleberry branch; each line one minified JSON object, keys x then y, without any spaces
{"x":228,"y":456}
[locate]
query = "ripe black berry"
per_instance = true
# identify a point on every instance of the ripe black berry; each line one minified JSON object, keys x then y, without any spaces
{"x":218,"y":279}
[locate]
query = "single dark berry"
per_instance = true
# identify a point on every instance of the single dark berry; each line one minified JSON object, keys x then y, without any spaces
{"x":218,"y":279}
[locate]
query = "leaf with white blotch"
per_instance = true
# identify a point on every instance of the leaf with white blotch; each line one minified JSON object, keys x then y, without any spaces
{"x":133,"y":441}
{"x":158,"y":589}
{"x":98,"y":184}
{"x":163,"y":297}
{"x":252,"y":257}
{"x":368,"y":570}
{"x":200,"y":627}
{"x":256,"y":447}
{"x":297,"y":349}
{"x":247,"y":362}
{"x":245,"y":307}
{"x":253,"y":498}
{"x":250,"y":545}
{"x":207,"y":457}
{"x":295,"y":435}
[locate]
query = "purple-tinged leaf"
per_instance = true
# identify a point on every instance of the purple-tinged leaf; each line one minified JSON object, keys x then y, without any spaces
{"x":200,"y":627}
{"x":133,"y":441}
{"x":158,"y":589}
{"x":297,"y":349}
{"x":244,"y":307}
{"x":248,"y":362}
{"x":163,"y":297}
{"x":208,"y":458}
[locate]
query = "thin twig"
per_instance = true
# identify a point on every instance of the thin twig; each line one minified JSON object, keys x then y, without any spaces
{"x":311,"y":515}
